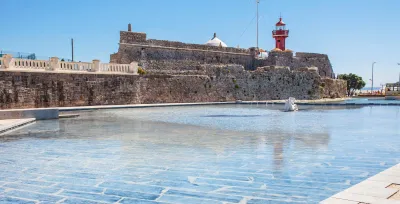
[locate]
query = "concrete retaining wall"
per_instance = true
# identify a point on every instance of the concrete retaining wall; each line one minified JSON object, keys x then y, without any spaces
{"x":38,"y":114}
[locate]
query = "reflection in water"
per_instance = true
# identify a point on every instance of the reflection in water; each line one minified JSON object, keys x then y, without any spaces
{"x":237,"y":116}
{"x":278,"y":157}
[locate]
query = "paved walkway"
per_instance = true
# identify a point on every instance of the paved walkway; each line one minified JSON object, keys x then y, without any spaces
{"x":379,"y":189}
{"x":11,"y":124}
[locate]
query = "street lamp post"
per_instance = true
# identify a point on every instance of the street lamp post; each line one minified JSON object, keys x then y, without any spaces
{"x":372,"y":80}
{"x":398,"y":87}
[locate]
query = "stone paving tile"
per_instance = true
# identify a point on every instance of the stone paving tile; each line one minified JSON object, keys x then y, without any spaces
{"x":266,"y":195}
{"x":8,"y":124}
{"x":38,"y":183}
{"x":131,"y":194}
{"x":338,"y":201}
{"x":357,"y":197}
{"x":186,"y":200}
{"x":88,"y":189}
{"x":13,"y":176}
{"x":82,"y":175}
{"x":211,"y":196}
{"x":80,"y":201}
{"x":76,"y":181}
{"x":228,"y":183}
{"x":43,"y":198}
{"x":32,"y":188}
{"x":179,"y":175}
{"x":186,"y":185}
{"x":394,"y":186}
{"x":375,"y":192}
{"x":135,"y":201}
{"x":262,"y":201}
{"x":132,"y":187}
{"x":395,"y":196}
{"x":90,"y":196}
{"x":385,"y":178}
{"x":286,"y":188}
{"x":8,"y":200}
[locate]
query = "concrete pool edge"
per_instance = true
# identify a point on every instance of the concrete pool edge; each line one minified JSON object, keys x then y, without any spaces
{"x":376,"y":189}
{"x":319,"y":102}
{"x":278,"y":102}
{"x":10,"y":125}
{"x":37,"y":113}
{"x":81,"y":108}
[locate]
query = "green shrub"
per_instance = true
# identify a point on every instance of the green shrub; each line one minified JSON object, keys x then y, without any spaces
{"x":236,"y":86}
{"x":141,"y":71}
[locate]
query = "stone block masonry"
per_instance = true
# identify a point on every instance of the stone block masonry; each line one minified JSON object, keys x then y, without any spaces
{"x":133,"y":48}
{"x":216,"y":83}
{"x":171,"y":55}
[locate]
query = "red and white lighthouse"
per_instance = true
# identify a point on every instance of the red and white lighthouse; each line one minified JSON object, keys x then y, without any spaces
{"x":280,"y":34}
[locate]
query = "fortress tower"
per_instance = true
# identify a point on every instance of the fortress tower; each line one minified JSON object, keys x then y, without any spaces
{"x":280,"y":34}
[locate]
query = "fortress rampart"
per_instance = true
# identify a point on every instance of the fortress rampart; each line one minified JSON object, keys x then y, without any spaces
{"x":22,"y":89}
{"x":162,"y":56}
{"x":141,"y":38}
{"x":173,"y":55}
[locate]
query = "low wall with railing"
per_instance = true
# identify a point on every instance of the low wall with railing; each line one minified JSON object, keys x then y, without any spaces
{"x":7,"y":62}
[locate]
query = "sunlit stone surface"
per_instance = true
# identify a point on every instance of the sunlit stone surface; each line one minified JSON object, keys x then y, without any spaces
{"x":200,"y":154}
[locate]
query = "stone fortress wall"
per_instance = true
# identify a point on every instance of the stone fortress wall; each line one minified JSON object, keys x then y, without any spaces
{"x":161,"y":56}
{"x":19,"y":89}
{"x":300,"y":60}
{"x":157,"y":56}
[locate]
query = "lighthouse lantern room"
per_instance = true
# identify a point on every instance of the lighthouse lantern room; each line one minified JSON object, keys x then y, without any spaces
{"x":280,"y":34}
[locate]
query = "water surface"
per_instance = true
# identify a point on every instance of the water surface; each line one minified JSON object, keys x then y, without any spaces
{"x":199,"y":154}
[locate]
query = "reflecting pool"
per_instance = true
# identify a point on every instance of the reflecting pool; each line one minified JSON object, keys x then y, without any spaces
{"x":199,"y":154}
{"x":372,"y":100}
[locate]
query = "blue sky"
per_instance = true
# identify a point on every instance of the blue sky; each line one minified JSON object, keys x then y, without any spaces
{"x":354,"y":33}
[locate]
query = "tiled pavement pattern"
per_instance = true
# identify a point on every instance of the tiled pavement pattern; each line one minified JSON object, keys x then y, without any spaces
{"x":12,"y":124}
{"x":228,"y":154}
{"x":382,"y":188}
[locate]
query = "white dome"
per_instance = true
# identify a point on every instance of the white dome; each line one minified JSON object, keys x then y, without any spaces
{"x":216,"y":42}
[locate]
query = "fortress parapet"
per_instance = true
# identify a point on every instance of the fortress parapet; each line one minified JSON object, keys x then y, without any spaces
{"x":163,"y":56}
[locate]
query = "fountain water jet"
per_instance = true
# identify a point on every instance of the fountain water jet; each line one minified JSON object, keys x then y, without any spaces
{"x":290,"y":106}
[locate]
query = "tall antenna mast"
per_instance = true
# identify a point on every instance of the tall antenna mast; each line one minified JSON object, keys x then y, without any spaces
{"x":258,"y":1}
{"x":72,"y":48}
